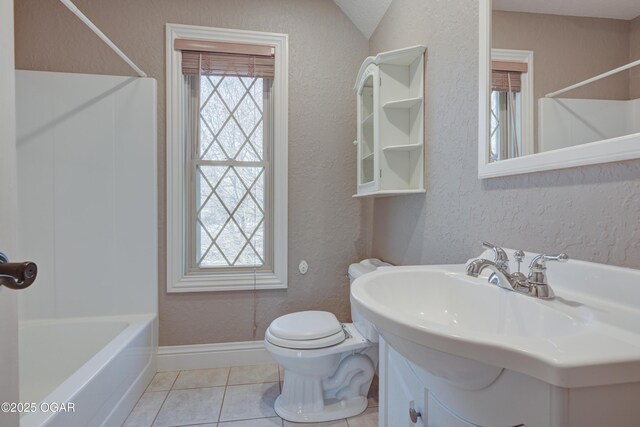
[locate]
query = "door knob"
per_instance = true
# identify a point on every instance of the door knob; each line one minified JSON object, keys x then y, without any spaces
{"x":17,"y":275}
{"x":413,"y":414}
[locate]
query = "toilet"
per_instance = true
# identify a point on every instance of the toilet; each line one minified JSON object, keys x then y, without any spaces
{"x":328,"y":365}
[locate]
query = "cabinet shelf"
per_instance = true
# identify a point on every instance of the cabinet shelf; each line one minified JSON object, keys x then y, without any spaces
{"x":403,"y":103}
{"x":405,"y":147}
{"x":368,"y":120}
{"x":367,"y":157}
{"x":389,"y":193}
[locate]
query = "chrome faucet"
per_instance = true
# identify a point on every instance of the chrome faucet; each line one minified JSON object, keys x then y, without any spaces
{"x":535,"y":284}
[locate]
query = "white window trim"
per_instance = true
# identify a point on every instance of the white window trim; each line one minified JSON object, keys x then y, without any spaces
{"x":177,"y":278}
{"x":526,"y":92}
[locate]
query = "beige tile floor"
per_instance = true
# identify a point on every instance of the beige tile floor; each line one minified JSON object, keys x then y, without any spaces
{"x":241,"y":396}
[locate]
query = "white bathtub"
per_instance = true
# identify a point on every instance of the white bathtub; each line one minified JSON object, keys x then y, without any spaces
{"x":101,"y":365}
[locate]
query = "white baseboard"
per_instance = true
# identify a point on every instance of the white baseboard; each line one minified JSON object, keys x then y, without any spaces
{"x":207,"y":356}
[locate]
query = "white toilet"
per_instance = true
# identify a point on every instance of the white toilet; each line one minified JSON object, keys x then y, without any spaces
{"x":328,"y":366}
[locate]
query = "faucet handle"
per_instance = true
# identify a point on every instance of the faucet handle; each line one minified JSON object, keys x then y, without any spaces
{"x":501,"y":258}
{"x":539,"y":261}
{"x":537,"y":268}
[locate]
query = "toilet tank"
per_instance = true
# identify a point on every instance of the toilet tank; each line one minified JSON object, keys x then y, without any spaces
{"x":366,"y":328}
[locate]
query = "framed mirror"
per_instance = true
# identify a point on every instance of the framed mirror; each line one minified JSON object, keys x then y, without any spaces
{"x":559,"y":84}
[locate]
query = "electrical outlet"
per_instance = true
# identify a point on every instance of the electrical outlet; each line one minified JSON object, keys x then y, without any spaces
{"x":303,"y":267}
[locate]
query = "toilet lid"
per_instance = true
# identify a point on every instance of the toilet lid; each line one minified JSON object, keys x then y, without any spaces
{"x":329,"y":341}
{"x":305,"y":325}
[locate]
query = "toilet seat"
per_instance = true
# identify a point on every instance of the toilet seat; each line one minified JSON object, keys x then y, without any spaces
{"x":329,"y":341}
{"x":306,"y":330}
{"x":354,"y":342}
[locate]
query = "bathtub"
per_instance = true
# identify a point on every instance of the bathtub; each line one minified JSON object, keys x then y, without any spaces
{"x":85,"y":371}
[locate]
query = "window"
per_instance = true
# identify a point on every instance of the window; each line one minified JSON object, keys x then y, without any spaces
{"x":229,"y":171}
{"x":511,"y":126}
{"x":226,"y":159}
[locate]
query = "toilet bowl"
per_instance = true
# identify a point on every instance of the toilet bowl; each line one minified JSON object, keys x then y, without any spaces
{"x":328,"y":366}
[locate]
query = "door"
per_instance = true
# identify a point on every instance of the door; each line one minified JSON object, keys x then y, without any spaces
{"x":368,"y":168}
{"x":8,"y":216}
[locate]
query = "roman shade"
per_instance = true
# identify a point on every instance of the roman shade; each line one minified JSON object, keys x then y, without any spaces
{"x":507,"y":76}
{"x":226,"y":59}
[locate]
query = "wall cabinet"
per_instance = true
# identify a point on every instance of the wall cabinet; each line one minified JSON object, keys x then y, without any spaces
{"x":390,"y":143}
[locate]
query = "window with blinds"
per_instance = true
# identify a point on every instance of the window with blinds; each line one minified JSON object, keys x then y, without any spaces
{"x":228,"y":145}
{"x":227,"y":161}
{"x":507,"y":105}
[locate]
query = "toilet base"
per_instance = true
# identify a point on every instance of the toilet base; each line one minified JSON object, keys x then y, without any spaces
{"x":332,"y":411}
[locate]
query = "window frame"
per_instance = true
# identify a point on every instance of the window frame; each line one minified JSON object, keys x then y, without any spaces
{"x":180,"y":276}
{"x":526,"y":95}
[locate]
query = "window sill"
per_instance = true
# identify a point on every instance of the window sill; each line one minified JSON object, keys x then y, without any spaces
{"x":227,"y":282}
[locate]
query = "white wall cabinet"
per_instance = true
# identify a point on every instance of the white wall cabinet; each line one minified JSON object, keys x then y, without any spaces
{"x":390,"y":144}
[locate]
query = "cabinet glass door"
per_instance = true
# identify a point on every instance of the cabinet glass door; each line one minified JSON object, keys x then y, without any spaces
{"x":367,"y":151}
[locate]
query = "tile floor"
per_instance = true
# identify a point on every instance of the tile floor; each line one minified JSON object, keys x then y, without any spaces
{"x":224,"y":397}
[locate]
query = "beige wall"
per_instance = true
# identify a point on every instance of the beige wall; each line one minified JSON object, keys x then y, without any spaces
{"x":326,"y":226}
{"x":591,"y":212}
{"x":567,"y":50}
{"x":634,"y":54}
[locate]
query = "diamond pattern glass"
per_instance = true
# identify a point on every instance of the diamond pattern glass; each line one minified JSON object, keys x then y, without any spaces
{"x":230,"y":174}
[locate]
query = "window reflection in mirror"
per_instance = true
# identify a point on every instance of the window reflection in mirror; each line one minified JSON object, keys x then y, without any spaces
{"x":510,"y":104}
{"x":570,"y":46}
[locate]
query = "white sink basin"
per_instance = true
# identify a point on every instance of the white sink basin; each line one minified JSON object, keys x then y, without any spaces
{"x":452,"y":303}
{"x":466,"y":330}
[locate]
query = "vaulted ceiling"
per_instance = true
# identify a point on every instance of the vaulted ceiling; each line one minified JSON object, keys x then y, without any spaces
{"x":365,"y":14}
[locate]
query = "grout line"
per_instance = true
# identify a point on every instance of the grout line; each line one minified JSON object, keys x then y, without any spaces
{"x":242,"y":419}
{"x":251,"y":419}
{"x":174,"y":381}
{"x":197,"y":387}
{"x":206,"y":386}
{"x":224,"y":394}
{"x":199,"y":424}
{"x":159,"y":409}
{"x":146,"y":390}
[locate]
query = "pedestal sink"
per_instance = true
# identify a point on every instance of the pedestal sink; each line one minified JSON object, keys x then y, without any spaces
{"x":466,"y":331}
{"x":430,"y":314}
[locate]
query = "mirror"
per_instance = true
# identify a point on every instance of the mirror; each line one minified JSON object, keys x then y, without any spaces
{"x":559,"y":84}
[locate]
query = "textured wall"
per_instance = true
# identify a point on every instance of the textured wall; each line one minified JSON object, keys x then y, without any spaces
{"x":634,"y":54}
{"x":567,"y":50}
{"x":592,"y":212}
{"x":326,"y":226}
